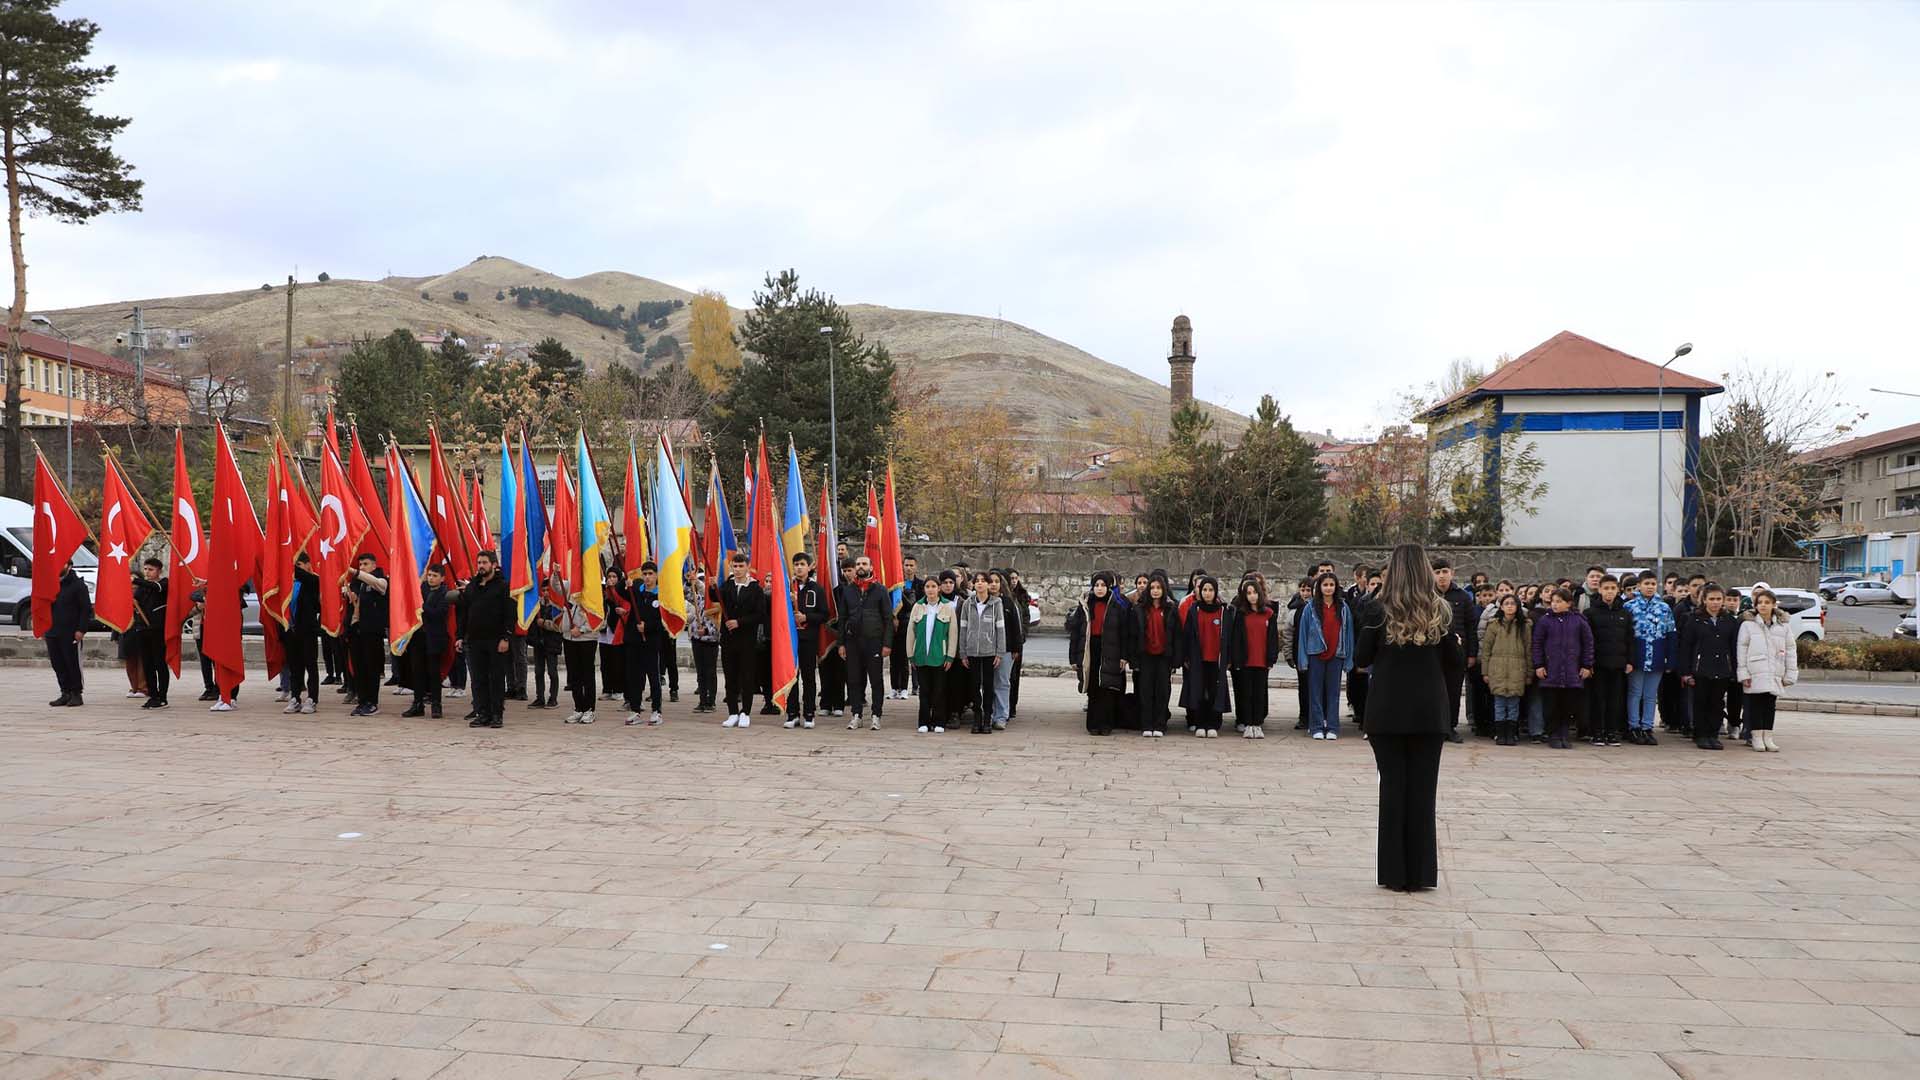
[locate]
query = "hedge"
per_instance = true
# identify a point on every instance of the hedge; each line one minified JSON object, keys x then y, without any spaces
{"x":1883,"y":655}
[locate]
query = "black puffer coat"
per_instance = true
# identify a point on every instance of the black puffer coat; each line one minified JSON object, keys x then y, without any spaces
{"x":1709,"y":647}
{"x":1612,"y":634}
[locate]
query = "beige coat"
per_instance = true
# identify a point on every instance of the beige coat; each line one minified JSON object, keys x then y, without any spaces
{"x":1767,"y":660}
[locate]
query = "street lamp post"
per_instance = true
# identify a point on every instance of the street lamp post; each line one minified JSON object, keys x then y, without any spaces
{"x":1660,"y":465}
{"x":42,"y":320}
{"x":833,"y":421}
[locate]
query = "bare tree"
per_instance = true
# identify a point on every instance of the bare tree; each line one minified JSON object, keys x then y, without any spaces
{"x":227,"y":377}
{"x":1758,"y":490}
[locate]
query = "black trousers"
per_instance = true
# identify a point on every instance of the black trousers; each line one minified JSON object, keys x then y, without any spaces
{"x":1736,"y":706}
{"x":580,"y":657}
{"x":866,"y":672}
{"x":706,"y":658}
{"x":1013,"y":689}
{"x":1455,"y":681}
{"x":643,"y":674}
{"x":1357,"y":683}
{"x":801,"y":699}
{"x":302,"y":652}
{"x":933,"y":701}
{"x":1566,"y":708}
{"x":1153,"y":680}
{"x":670,"y":662}
{"x":1300,"y":692}
{"x":741,"y":667}
{"x":1409,"y":854}
{"x":333,"y":654}
{"x":1672,"y":702}
{"x":613,"y":670}
{"x":1250,"y":696}
{"x":516,"y":666}
{"x":206,"y":669}
{"x":488,"y":669}
{"x":154,"y":659}
{"x":833,"y":681}
{"x":426,"y":675}
{"x":1207,"y":716}
{"x":979,"y":679}
{"x":1607,"y":702}
{"x":457,"y":674}
{"x":1760,"y":709}
{"x":1480,"y":700}
{"x":367,"y":653}
{"x":899,"y":672}
{"x":1709,"y":705}
{"x":64,"y":654}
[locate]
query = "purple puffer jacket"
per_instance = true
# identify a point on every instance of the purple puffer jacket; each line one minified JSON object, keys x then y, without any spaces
{"x":1563,"y":644}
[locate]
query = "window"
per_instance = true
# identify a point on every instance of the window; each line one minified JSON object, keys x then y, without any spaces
{"x":1038,"y":528}
{"x":1853,"y":511}
{"x":1792,"y":604}
{"x":1073,"y":524}
{"x":1879,"y":508}
{"x":1100,"y":524}
{"x":1908,"y":460}
{"x":1906,"y":504}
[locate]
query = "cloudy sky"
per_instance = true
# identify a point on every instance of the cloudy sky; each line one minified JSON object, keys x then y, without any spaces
{"x":1343,"y":197}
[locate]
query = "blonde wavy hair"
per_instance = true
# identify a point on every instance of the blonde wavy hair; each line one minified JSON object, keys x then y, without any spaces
{"x":1416,"y":613}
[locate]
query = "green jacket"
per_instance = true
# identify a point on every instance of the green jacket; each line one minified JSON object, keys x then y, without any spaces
{"x":1506,"y":654}
{"x":920,"y":651}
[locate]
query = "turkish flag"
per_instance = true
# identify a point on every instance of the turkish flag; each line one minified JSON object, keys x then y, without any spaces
{"x":452,"y":524}
{"x":57,"y":532}
{"x":123,"y":529}
{"x":378,"y":538}
{"x":236,"y":541}
{"x":189,"y":554}
{"x":343,"y":524}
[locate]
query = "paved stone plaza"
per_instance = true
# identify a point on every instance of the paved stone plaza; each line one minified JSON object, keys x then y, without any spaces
{"x":187,"y":894}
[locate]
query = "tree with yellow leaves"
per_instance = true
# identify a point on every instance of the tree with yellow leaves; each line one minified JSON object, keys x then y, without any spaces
{"x":716,"y":353}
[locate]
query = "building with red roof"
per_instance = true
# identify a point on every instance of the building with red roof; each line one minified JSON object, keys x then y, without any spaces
{"x":1602,"y":423}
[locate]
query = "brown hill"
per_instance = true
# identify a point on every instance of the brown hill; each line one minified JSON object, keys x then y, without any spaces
{"x":1056,"y":393}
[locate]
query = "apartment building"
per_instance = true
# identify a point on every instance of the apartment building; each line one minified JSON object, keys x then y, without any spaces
{"x":1872,"y":502}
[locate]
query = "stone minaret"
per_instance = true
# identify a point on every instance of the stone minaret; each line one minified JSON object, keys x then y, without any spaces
{"x":1181,"y":361}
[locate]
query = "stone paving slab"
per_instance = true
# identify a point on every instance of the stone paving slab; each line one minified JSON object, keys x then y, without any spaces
{"x":186,"y":894}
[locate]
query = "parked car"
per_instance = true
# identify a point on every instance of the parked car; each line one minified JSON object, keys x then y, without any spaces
{"x":1807,"y":610}
{"x":1833,"y":581}
{"x":1865,"y":592}
{"x":1905,"y":628}
{"x":16,"y":563}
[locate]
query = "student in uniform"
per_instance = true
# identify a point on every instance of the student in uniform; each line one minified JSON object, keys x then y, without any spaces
{"x":703,"y":637}
{"x":1159,"y":638}
{"x":1562,"y":662}
{"x":644,"y":628}
{"x":1613,"y":656}
{"x":612,"y":640}
{"x":899,"y":672}
{"x":429,"y":643}
{"x":743,"y":609}
{"x":300,"y":640}
{"x":809,"y":617}
{"x":367,"y":644}
{"x":1324,"y":651}
{"x":543,"y":642}
{"x":579,"y":647}
{"x":1506,"y":647}
{"x":930,"y":647}
{"x":1102,"y":647}
{"x":66,"y":631}
{"x":1709,"y":659}
{"x":980,"y":640}
{"x":1767,"y":664}
{"x":1016,"y":640}
{"x":150,"y":607}
{"x":1029,"y":615}
{"x":1203,"y":679}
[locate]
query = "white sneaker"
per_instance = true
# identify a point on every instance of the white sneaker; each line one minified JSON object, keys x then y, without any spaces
{"x":922,"y":729}
{"x":792,"y":722}
{"x":1333,"y":736}
{"x":732,"y":720}
{"x":292,"y":708}
{"x":807,"y":724}
{"x":1758,"y":741}
{"x":278,"y":695}
{"x":876,"y":722}
{"x":1767,"y":737}
{"x":1245,"y":733}
{"x":1146,"y":734}
{"x":573,"y":717}
{"x":745,"y":720}
{"x":221,"y":706}
{"x":306,"y":706}
{"x":587,"y":717}
{"x":655,"y":720}
{"x":1199,"y":733}
{"x":633,"y":718}
{"x":456,"y":692}
{"x":398,"y":690}
{"x":939,"y":730}
{"x":853,"y":724}
{"x":1319,"y":734}
{"x":1259,"y":733}
{"x":1213,"y":733}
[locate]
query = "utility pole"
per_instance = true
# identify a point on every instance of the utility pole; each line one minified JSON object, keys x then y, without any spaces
{"x":138,"y":339}
{"x":286,"y":390}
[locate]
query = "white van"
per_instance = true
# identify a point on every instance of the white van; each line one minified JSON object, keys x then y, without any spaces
{"x":16,"y":562}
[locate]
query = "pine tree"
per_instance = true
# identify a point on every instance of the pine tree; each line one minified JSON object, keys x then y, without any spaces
{"x":58,"y":155}
{"x":555,"y":363}
{"x":391,"y":385}
{"x":784,"y":382}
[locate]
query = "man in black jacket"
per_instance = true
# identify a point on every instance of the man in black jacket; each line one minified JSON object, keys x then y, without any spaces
{"x":66,"y":629}
{"x":866,"y":627}
{"x":641,"y":639}
{"x":487,"y":625}
{"x":1709,"y":644}
{"x":428,"y":646}
{"x":743,"y":611}
{"x":301,"y":640}
{"x":1466,"y":629}
{"x":150,"y":607}
{"x":809,"y":615}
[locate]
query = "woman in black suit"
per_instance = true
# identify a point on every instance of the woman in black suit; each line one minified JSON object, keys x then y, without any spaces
{"x":1406,"y":639}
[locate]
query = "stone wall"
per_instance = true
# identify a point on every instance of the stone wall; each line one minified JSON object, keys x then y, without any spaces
{"x":1057,"y":573}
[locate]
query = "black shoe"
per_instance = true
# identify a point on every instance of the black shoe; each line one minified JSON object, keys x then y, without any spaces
{"x":60,"y":702}
{"x":161,"y":704}
{"x":471,"y":715}
{"x":1613,"y":739}
{"x":330,"y":680}
{"x":673,"y":695}
{"x":209,"y":695}
{"x":770,"y":709}
{"x":343,"y":688}
{"x":494,"y":723}
{"x":358,"y":710}
{"x":1703,"y":744}
{"x":74,"y":702}
{"x":413,"y":712}
{"x":371,"y":709}
{"x":477,"y":722}
{"x":435,"y":713}
{"x":1647,"y":739}
{"x":536,"y":703}
{"x":1453,"y":736}
{"x":1302,"y":726}
{"x":553,"y":701}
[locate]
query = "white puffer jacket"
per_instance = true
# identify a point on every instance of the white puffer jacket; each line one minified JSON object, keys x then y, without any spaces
{"x":1767,"y":655}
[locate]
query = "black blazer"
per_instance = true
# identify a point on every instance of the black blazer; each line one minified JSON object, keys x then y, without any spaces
{"x":1169,"y":616}
{"x":745,"y":604}
{"x":432,"y":634}
{"x":72,"y":608}
{"x":1407,"y":694}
